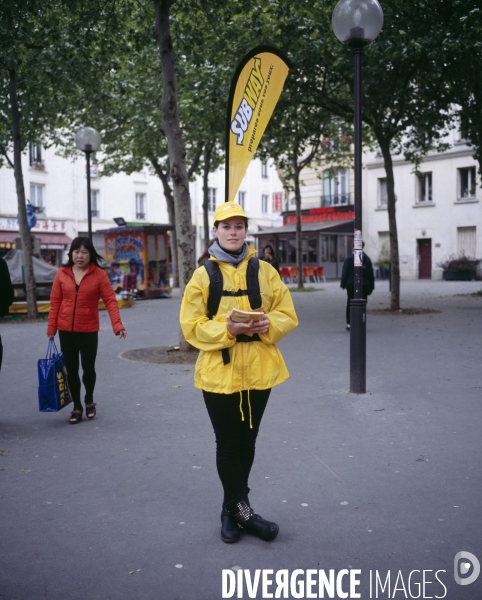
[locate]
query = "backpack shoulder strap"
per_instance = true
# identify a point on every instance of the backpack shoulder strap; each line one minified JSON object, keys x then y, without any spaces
{"x":215,"y":286}
{"x":254,"y":293}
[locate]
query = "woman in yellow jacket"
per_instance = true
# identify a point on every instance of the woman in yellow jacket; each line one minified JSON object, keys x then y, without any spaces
{"x":238,"y":363}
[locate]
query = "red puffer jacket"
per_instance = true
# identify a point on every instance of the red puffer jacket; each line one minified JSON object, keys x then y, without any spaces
{"x":72,"y":310}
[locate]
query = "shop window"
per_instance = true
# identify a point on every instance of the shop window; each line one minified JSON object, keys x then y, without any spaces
{"x":424,"y":181}
{"x":345,"y":247}
{"x":264,"y":203}
{"x":292,"y":251}
{"x":313,"y":250}
{"x":281,"y":252}
{"x":140,"y":206}
{"x":37,"y":197}
{"x":328,"y":248}
{"x":466,"y":183}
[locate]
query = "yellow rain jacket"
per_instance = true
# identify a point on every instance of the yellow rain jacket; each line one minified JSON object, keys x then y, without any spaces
{"x":254,"y":365}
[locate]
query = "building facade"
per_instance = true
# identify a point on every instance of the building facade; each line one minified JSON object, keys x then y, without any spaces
{"x":57,"y":189}
{"x":438,"y":209}
{"x":327,"y":218}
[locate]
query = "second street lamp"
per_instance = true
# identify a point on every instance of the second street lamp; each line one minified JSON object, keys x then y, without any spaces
{"x":357,"y":23}
{"x":88,"y":140}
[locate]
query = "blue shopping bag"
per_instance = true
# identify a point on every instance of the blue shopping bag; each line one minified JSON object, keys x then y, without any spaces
{"x":53,"y":387}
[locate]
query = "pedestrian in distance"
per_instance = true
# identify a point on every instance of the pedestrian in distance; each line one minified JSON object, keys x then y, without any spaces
{"x":348,"y":280}
{"x":268,"y":256}
{"x":74,"y":313}
{"x":6,"y":297}
{"x":239,"y":362}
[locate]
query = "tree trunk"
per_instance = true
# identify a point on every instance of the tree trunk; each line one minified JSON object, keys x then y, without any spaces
{"x":32,"y":312}
{"x":392,"y":225}
{"x":176,"y":150}
{"x":171,"y":216}
{"x":208,"y":148}
{"x":299,"y":235}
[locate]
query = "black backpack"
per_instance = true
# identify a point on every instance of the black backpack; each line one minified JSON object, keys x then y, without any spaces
{"x":216,"y":292}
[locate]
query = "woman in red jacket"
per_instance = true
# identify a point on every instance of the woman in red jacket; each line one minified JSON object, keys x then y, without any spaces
{"x":74,"y":313}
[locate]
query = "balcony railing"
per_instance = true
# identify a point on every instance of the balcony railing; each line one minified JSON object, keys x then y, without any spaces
{"x":140,"y":216}
{"x":38,"y":209}
{"x":95,"y":213}
{"x":335,"y":200}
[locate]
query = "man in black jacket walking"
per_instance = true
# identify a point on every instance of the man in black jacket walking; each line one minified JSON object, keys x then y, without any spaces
{"x":348,"y":280}
{"x":6,"y":296}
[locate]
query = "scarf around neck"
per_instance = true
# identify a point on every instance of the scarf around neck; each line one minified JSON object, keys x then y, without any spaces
{"x":223,"y":256}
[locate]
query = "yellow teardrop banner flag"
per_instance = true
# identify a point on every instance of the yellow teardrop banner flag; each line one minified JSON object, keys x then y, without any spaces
{"x":256,"y":87}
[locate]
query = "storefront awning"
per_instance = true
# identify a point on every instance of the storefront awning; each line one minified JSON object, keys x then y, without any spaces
{"x":54,"y":241}
{"x":48,"y":241}
{"x":7,"y":239}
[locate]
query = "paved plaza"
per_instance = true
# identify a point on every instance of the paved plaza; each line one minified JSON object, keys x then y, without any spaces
{"x":127,"y":507}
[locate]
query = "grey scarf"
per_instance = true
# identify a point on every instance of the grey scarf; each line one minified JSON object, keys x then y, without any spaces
{"x":223,"y":256}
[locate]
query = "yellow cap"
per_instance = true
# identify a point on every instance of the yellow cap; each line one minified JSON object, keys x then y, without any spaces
{"x":228,"y":210}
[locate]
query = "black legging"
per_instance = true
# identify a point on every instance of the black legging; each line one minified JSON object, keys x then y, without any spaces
{"x":71,"y":344}
{"x":235,"y":440}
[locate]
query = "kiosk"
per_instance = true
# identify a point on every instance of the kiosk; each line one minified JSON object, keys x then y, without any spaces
{"x":137,"y":257}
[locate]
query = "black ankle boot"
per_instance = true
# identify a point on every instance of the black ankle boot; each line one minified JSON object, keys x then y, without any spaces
{"x":229,"y":527}
{"x":240,"y":510}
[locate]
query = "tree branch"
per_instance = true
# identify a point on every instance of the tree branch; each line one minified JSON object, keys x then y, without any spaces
{"x":197,"y":157}
{"x":3,"y":150}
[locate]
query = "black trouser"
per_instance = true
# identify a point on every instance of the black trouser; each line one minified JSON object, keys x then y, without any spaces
{"x":72,"y":344}
{"x":350,"y":292}
{"x":235,"y":439}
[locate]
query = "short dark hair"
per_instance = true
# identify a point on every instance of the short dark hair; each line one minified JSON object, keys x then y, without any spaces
{"x":270,"y":248}
{"x":86,"y":242}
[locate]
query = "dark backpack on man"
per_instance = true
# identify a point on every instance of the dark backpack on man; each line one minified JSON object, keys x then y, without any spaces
{"x":216,"y":292}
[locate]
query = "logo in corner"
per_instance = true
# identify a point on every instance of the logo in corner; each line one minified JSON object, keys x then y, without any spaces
{"x":462,"y":568}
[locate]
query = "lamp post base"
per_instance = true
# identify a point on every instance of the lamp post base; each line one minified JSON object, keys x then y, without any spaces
{"x":358,"y":346}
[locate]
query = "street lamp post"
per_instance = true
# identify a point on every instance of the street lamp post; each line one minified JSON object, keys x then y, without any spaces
{"x":357,"y":23}
{"x":88,"y":140}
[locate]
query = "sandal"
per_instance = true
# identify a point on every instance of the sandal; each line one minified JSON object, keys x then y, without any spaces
{"x":75,"y":417}
{"x":90,"y":411}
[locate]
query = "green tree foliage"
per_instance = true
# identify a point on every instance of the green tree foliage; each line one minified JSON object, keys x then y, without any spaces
{"x":47,"y":53}
{"x":465,"y":80}
{"x":405,"y":99}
